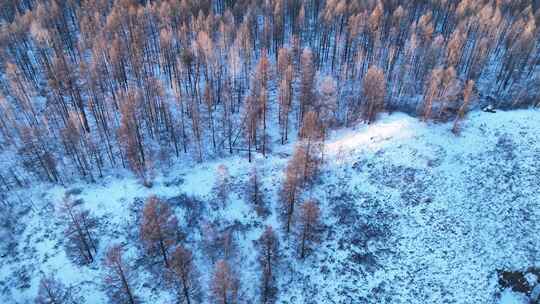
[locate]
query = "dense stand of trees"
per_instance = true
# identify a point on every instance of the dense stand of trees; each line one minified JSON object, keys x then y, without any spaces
{"x":94,"y":85}
{"x":90,"y":86}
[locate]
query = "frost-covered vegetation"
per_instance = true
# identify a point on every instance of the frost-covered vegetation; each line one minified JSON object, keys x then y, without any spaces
{"x":231,"y":151}
{"x":98,"y":85}
{"x":409,"y":214}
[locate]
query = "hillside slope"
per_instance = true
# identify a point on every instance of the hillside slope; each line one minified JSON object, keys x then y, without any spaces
{"x":412,"y":214}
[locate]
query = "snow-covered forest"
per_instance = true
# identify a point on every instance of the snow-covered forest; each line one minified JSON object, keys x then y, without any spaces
{"x":277,"y":151}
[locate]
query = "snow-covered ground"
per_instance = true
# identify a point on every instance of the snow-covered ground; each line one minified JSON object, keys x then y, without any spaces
{"x":412,"y":214}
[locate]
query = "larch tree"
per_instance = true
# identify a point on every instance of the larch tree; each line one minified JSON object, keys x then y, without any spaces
{"x":259,"y":89}
{"x":431,"y":92}
{"x":225,"y":284}
{"x":327,"y":104}
{"x":309,"y":227}
{"x":268,"y":252}
{"x":22,"y":93}
{"x":210,"y":240}
{"x":449,"y":92}
{"x":119,"y":277}
{"x":454,"y":47}
{"x":228,"y":123}
{"x":285,"y":99}
{"x":290,"y":191}
{"x":467,"y":96}
{"x":36,"y":153}
{"x":196,"y":127}
{"x":181,"y":107}
{"x":52,"y":291}
{"x":251,"y":119}
{"x":130,"y":133}
{"x":444,"y":88}
{"x":159,"y":229}
{"x":209,"y":102}
{"x":311,"y":145}
{"x":81,"y":226}
{"x":255,"y":193}
{"x":76,"y":144}
{"x":184,"y":276}
{"x":228,"y":245}
{"x":307,"y":83}
{"x":222,"y":185}
{"x":374,"y":89}
{"x":7,"y":121}
{"x":283,"y":62}
{"x":218,"y":243}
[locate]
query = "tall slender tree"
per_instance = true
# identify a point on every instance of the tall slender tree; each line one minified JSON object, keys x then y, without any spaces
{"x":374,"y":88}
{"x":80,"y":231}
{"x":119,"y":278}
{"x":159,"y":229}
{"x":308,"y":227}
{"x":225,"y":284}
{"x":268,"y":250}
{"x":183,"y":274}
